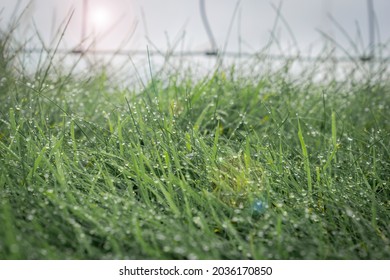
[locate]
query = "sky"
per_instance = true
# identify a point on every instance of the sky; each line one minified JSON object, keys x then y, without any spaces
{"x":245,"y":25}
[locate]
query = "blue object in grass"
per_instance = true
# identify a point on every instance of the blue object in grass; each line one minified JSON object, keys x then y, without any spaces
{"x":258,"y":206}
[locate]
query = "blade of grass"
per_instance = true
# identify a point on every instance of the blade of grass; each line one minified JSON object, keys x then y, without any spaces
{"x":305,"y":158}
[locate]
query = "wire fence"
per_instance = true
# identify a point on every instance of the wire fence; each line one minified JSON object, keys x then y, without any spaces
{"x":260,"y":54}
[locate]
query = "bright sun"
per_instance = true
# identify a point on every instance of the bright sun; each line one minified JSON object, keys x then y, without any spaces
{"x":99,"y":18}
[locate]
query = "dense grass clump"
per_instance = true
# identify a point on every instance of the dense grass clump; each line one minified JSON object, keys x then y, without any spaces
{"x":226,"y":167}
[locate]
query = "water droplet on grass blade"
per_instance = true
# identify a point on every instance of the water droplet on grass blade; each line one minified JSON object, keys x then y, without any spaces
{"x":258,"y":207}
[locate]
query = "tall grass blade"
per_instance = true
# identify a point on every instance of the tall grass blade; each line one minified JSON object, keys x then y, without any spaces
{"x":306,"y":161}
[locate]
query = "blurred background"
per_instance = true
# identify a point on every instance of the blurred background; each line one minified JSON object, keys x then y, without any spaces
{"x":357,"y":28}
{"x":165,"y":24}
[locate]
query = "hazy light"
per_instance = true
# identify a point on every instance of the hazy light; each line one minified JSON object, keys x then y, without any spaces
{"x":99,"y":18}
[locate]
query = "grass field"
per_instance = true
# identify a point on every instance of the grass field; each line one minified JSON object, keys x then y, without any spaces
{"x":227,"y":166}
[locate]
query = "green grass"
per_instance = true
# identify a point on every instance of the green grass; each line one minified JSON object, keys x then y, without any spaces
{"x":174,"y":170}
